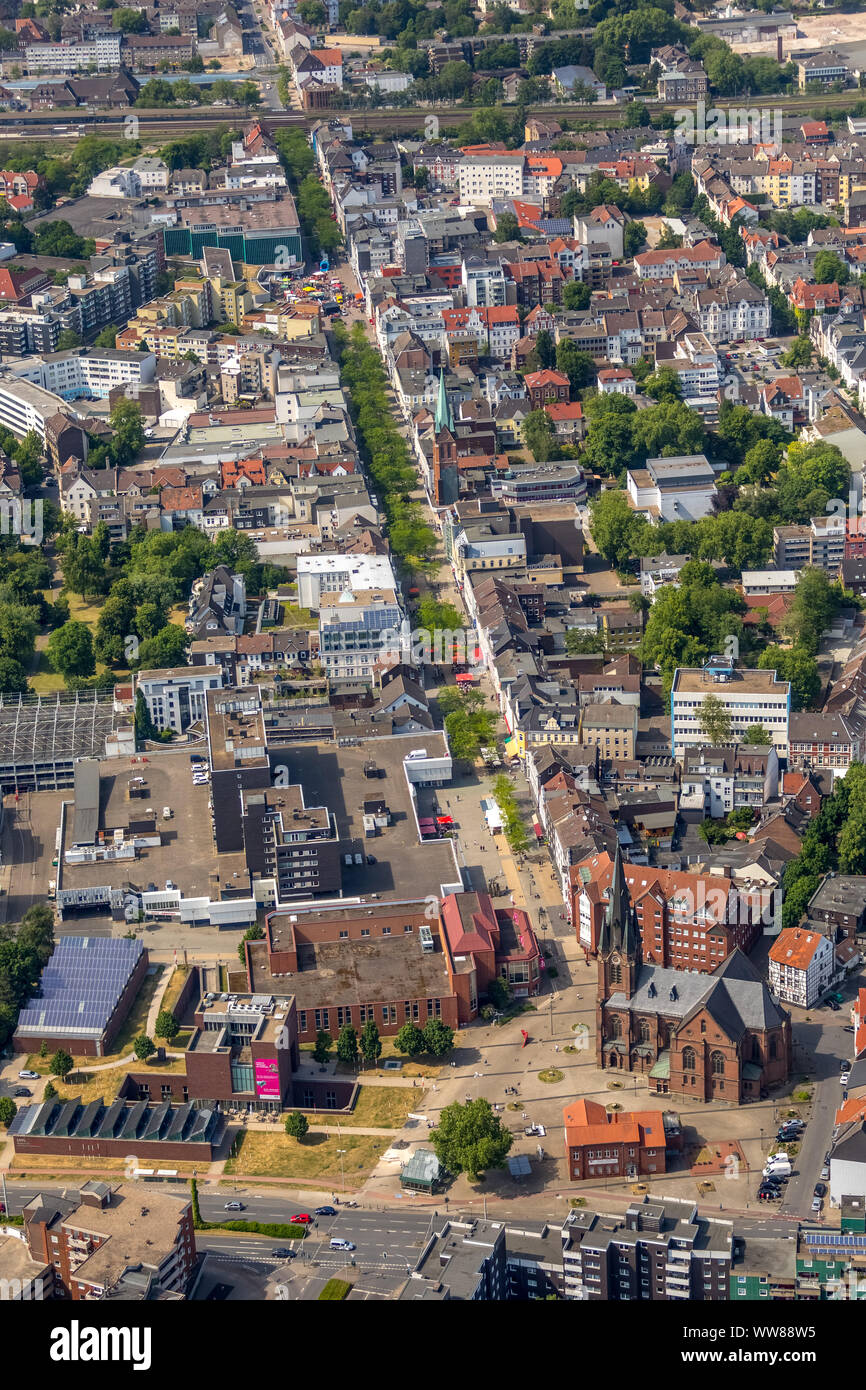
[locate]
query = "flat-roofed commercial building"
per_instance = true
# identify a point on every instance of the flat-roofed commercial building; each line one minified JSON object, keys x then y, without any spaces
{"x":750,"y":697}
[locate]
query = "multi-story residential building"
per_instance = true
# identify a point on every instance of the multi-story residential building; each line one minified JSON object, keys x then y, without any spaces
{"x":356,"y":631}
{"x":824,"y":68}
{"x":77,"y":372}
{"x":658,"y":1250}
{"x":684,"y":921}
{"x":121,"y":1241}
{"x":658,"y":571}
{"x":484,"y":177}
{"x":802,"y":965}
{"x":750,"y":697}
{"x":291,"y":845}
{"x":717,"y":781}
{"x":176,"y":696}
{"x":823,"y":543}
{"x":838,"y":906}
{"x":822,"y":739}
{"x":610,"y":727}
{"x":483,"y":282}
{"x":101,"y":52}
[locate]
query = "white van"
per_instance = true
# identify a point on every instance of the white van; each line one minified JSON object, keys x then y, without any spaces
{"x":338,"y":1243}
{"x":778,"y":1170}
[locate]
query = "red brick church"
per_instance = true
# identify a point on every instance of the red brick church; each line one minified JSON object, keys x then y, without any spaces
{"x":709,"y":1037}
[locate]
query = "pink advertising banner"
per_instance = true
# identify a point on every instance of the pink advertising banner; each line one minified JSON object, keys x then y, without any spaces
{"x":267,"y":1079}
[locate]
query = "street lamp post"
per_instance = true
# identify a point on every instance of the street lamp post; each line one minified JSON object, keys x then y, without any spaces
{"x":340,"y":1153}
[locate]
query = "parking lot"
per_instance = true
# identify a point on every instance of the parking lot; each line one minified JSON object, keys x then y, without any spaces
{"x":335,"y":778}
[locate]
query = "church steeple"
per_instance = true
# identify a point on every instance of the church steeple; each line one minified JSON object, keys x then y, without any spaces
{"x":619,"y":929}
{"x":443,"y":419}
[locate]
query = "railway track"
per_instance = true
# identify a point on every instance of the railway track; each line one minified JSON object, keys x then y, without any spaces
{"x":408,"y":120}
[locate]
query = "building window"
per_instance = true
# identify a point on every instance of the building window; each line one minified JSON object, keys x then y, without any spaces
{"x":688,"y":1059}
{"x":717,"y":1063}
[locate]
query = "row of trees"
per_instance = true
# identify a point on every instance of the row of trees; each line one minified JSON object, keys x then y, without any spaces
{"x":469,"y":725}
{"x":835,"y":839}
{"x":384,"y":451}
{"x":24,"y":950}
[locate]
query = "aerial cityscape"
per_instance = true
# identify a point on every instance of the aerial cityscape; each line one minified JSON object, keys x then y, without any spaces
{"x":432,"y":656}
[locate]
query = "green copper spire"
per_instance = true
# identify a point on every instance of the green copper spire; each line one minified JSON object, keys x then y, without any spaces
{"x":443,"y":419}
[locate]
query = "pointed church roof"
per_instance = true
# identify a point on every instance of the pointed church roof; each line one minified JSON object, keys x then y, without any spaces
{"x":444,"y":418}
{"x":619,"y":930}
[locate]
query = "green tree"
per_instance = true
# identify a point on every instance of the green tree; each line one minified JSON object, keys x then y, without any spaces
{"x":583,"y":643}
{"x":107,"y":338}
{"x":167,"y":1025}
{"x":167,"y":648}
{"x":369,"y":1043}
{"x":470,"y":1139}
{"x":758,"y":735}
{"x":634,"y":237}
{"x":576,"y":295}
{"x":828,"y":267}
{"x":545,"y":348}
{"x":297,"y":1125}
{"x":347,"y":1046}
{"x":507,"y":228}
{"x":815,"y":602}
{"x":799,"y":354}
{"x":797,"y":665}
{"x":577,"y":365}
{"x":70,"y":650}
{"x":438,"y":1038}
{"x":715,"y":720}
{"x":409,"y":1039}
{"x":8,"y":1111}
{"x":49,"y":1091}
{"x":253,"y":933}
{"x":322,"y":1049}
{"x":539,"y":435}
{"x":127,"y":432}
{"x":614,"y":527}
{"x":67,"y":339}
{"x":61,"y":1064}
{"x":143,"y":1047}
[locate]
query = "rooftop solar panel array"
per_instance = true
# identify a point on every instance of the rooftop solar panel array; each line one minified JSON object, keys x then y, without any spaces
{"x":81,"y":985}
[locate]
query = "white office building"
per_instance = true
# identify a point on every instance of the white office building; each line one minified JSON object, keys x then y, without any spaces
{"x":750,"y":697}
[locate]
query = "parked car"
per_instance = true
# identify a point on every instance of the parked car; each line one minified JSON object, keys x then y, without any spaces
{"x":28,"y":1076}
{"x":233,"y":1206}
{"x":831,"y":1004}
{"x":843,"y":1079}
{"x":820,"y":1189}
{"x":326,"y":1211}
{"x":825,"y":1171}
{"x":21,"y":1091}
{"x":817,"y":1204}
{"x":844,"y":1066}
{"x":302,"y":1218}
{"x":768,"y":1194}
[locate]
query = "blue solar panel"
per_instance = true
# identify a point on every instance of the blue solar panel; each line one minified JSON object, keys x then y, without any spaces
{"x":81,"y":984}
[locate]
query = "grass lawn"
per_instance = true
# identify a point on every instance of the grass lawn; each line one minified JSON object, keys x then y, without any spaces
{"x":377,"y":1107}
{"x":334,"y":1291}
{"x":105,"y":1084}
{"x":44,"y":680}
{"x":276,"y":1155}
{"x":51,"y":1165}
{"x":298,"y":617}
{"x":175,"y":985}
{"x":81,"y":611}
{"x":412,"y":1067}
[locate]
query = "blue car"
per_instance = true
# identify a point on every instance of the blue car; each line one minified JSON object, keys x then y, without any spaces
{"x":326,"y":1211}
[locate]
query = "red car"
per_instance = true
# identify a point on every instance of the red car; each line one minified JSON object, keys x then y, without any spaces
{"x":303,"y":1218}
